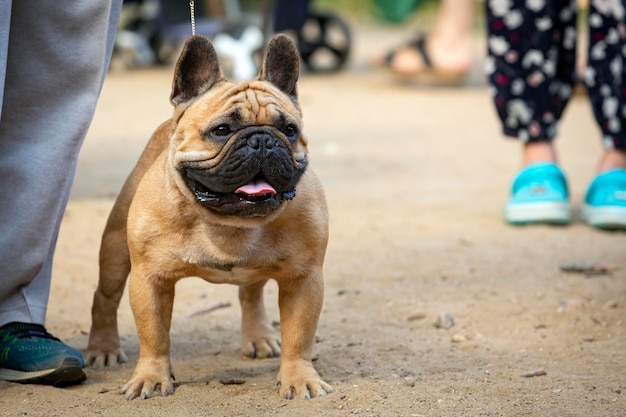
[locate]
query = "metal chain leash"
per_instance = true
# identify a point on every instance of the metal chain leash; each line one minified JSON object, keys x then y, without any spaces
{"x":193,"y":17}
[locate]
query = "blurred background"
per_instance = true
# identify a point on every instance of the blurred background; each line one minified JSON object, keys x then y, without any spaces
{"x":151,"y":31}
{"x":415,"y":172}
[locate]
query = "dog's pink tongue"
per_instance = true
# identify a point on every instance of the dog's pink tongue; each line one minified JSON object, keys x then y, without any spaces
{"x":256,"y":187}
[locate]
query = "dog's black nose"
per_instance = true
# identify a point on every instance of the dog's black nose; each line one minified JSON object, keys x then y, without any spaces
{"x":261,"y":140}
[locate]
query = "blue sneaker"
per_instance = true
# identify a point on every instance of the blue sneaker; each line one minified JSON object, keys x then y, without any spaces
{"x":605,"y":201}
{"x":539,"y":195}
{"x":29,"y":354}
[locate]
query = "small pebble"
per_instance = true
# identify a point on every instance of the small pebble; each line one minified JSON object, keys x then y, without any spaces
{"x":458,"y":338}
{"x":444,"y":321}
{"x":539,"y":372}
{"x":573,"y":304}
{"x":416,"y":316}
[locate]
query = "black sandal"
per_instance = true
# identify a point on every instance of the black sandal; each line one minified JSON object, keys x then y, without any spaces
{"x":428,"y":73}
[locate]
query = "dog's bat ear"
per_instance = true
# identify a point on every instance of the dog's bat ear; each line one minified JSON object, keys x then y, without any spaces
{"x":197,"y":70}
{"x":281,"y":65}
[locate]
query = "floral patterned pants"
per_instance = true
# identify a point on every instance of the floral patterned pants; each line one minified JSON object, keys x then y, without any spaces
{"x":531,"y":65}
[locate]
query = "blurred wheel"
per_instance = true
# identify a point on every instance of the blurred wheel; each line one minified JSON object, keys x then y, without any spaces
{"x":324,"y":42}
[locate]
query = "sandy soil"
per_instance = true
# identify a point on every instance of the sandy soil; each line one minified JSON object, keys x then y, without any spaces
{"x":415,"y":179}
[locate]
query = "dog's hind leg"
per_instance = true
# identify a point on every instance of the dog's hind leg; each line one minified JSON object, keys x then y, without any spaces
{"x":258,"y":339}
{"x":104,"y":347}
{"x":104,"y":342}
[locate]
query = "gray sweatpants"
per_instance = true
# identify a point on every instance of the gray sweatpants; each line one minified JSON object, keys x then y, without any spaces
{"x":53,"y":59}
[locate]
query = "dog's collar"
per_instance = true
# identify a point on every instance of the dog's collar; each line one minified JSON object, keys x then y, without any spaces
{"x":289,"y":195}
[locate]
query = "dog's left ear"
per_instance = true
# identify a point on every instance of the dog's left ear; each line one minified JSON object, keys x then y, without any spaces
{"x":197,"y":70}
{"x":281,"y":65}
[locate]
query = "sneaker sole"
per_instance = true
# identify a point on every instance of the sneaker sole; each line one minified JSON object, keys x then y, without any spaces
{"x":611,"y":218}
{"x":69,"y":372}
{"x":545,"y":212}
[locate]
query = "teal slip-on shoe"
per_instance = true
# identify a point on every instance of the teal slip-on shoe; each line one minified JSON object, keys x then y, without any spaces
{"x":605,"y":201}
{"x":29,"y":354}
{"x":539,"y":195}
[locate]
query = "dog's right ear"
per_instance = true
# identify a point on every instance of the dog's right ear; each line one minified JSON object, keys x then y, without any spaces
{"x":281,"y":65}
{"x":197,"y":70}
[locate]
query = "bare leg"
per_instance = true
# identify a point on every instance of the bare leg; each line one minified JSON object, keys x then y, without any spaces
{"x":449,"y":45}
{"x":538,"y":152}
{"x":612,"y":159}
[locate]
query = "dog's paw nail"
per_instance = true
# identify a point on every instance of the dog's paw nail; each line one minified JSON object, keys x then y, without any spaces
{"x":289,"y":395}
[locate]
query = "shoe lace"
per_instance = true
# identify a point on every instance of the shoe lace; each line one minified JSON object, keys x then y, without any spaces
{"x":14,"y":332}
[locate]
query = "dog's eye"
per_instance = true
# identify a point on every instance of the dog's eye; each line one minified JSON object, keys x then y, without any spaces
{"x":221,"y":131}
{"x":291,"y":130}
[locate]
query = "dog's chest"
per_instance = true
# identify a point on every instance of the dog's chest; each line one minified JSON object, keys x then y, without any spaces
{"x":238,"y":273}
{"x":233,"y":275}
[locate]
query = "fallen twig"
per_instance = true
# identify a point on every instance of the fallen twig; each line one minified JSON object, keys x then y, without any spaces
{"x":539,"y":372}
{"x":232,"y":381}
{"x":211,"y":307}
{"x":588,"y":269}
{"x":348,"y":291}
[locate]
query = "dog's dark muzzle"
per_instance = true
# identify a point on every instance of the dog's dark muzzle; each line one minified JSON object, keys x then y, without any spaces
{"x":253,"y":178}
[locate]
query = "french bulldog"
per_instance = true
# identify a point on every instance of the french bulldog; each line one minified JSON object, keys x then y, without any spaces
{"x":222,"y":191}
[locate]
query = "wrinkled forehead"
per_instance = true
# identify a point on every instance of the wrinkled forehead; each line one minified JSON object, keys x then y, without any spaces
{"x":247,"y":101}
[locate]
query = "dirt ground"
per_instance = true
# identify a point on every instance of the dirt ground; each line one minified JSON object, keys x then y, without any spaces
{"x":415,"y":179}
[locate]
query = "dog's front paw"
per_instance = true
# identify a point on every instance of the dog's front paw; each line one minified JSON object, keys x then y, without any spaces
{"x":298,"y":379}
{"x":262,"y":342}
{"x":147,"y":386}
{"x":150,"y":379}
{"x":103,"y":357}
